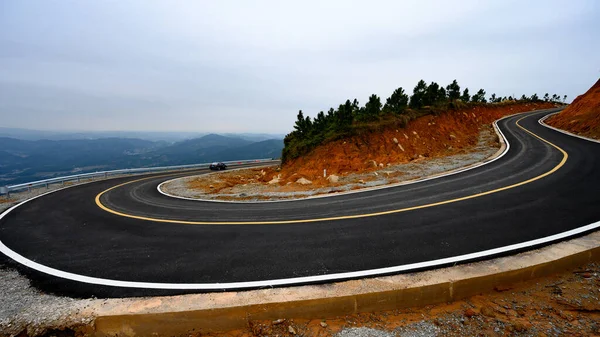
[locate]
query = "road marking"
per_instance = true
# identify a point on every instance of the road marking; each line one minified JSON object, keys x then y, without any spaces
{"x":285,"y":281}
{"x":343,"y":217}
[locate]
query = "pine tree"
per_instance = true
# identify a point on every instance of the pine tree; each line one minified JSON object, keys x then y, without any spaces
{"x":479,"y":97}
{"x":373,"y":107}
{"x":465,"y":96}
{"x":397,"y":102}
{"x":453,"y":90}
{"x":416,"y":100}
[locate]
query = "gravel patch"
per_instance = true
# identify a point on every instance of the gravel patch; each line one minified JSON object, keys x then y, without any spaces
{"x":24,"y":308}
{"x":364,"y":332}
{"x":419,"y":329}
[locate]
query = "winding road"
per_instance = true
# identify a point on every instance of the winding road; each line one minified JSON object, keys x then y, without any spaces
{"x":121,"y":237}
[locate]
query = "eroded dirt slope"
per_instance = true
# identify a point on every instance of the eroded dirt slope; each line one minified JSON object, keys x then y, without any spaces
{"x":429,"y":136}
{"x":582,"y":117}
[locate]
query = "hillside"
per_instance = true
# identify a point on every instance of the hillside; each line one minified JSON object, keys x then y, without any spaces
{"x":581,"y":117}
{"x":23,"y":160}
{"x":428,"y":136}
{"x":270,"y":148}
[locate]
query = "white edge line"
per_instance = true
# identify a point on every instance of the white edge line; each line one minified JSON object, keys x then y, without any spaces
{"x":486,"y":161}
{"x":542,"y":122}
{"x":280,"y":282}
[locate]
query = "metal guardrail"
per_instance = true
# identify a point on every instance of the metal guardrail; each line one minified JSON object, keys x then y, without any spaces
{"x":105,"y":174}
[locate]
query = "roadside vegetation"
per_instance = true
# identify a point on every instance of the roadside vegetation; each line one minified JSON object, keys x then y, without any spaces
{"x":351,"y":119}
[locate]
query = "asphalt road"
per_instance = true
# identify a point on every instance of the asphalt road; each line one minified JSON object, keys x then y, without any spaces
{"x":165,"y":245}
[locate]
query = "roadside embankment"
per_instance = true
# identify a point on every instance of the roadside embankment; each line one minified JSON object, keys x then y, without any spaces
{"x":427,"y":146}
{"x":582,"y":117}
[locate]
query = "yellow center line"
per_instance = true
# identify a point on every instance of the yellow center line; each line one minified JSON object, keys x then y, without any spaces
{"x":344,"y":217}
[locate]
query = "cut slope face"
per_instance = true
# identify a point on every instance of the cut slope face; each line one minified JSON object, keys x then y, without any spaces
{"x":449,"y":133}
{"x":582,"y":117}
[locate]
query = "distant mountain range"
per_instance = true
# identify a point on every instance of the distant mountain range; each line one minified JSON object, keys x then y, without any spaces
{"x":30,"y":160}
{"x":167,"y":136}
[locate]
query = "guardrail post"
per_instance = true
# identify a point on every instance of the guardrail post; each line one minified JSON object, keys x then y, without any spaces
{"x":46,"y":185}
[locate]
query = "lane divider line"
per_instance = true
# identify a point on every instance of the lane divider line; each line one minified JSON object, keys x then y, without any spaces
{"x":288,"y":281}
{"x":343,"y":217}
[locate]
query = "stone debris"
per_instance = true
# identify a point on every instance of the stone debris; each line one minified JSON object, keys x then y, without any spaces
{"x":276,"y":179}
{"x":303,"y":181}
{"x":364,"y":332}
{"x":292,"y":330}
{"x":333,"y":179}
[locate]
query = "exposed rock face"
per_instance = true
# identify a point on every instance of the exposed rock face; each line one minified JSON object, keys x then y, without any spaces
{"x":333,"y":179}
{"x":275,"y":180}
{"x":303,"y":181}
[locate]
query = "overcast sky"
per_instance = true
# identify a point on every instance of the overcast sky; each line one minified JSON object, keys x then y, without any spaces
{"x":249,"y":66}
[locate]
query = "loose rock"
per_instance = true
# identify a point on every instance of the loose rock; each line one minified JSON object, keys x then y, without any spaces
{"x":333,"y":179}
{"x":276,"y":179}
{"x":292,"y":330}
{"x":303,"y":181}
{"x":470,"y":313}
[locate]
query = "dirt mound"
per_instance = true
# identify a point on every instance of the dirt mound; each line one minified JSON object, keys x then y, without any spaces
{"x":582,"y":116}
{"x":449,"y":133}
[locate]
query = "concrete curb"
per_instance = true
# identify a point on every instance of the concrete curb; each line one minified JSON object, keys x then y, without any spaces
{"x":215,"y":312}
{"x":543,"y":123}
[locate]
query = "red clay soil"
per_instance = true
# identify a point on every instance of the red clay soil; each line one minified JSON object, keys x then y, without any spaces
{"x":565,"y":304}
{"x":449,"y":133}
{"x":581,"y":117}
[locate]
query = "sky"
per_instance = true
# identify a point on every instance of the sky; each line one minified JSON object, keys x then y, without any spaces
{"x":249,"y":66}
